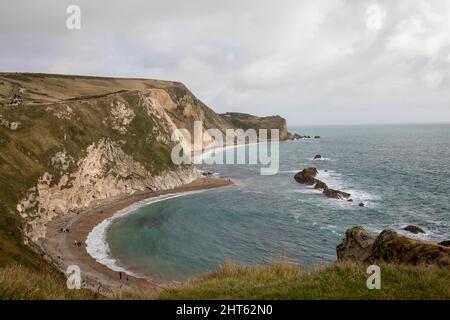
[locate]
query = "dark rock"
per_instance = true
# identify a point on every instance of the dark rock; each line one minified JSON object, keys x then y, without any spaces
{"x":294,"y":136}
{"x":445,"y":243}
{"x":206,"y":173}
{"x":317,"y":156}
{"x":390,"y":247}
{"x":316,"y":137}
{"x":393,"y":248}
{"x":306,"y":176}
{"x":350,"y":200}
{"x":414,"y":229}
{"x":356,"y":246}
{"x":336,"y":194}
{"x":361,"y":204}
{"x":303,"y":178}
{"x":320,"y":185}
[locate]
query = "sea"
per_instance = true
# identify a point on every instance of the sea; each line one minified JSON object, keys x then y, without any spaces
{"x":401,"y":173}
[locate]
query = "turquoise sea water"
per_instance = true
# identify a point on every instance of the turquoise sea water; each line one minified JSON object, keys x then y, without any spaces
{"x":401,"y":173}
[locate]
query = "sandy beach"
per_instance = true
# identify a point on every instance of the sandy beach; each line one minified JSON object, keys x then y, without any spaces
{"x":59,"y":246}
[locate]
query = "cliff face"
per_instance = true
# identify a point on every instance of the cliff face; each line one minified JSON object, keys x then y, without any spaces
{"x":66,"y":141}
{"x":248,"y":121}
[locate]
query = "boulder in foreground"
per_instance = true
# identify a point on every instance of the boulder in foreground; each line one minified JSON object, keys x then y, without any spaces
{"x":445,"y":243}
{"x":390,"y":247}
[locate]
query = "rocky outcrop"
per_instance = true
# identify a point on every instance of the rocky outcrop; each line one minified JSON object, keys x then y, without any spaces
{"x":336,"y":194}
{"x":413,"y":229}
{"x":317,"y":157}
{"x":120,"y":116}
{"x":293,"y":136}
{"x":445,"y":243}
{"x":308,"y":177}
{"x":320,"y":185}
{"x":390,"y":247}
{"x":296,"y":136}
{"x":356,"y":246}
{"x":12,"y":125}
{"x":17,"y":99}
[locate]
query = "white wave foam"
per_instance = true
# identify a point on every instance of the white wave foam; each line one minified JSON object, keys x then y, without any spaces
{"x":97,"y":245}
{"x":290,"y":171}
{"x":217,"y":150}
{"x":429,"y":235}
{"x":334,"y":180}
{"x":307,"y":190}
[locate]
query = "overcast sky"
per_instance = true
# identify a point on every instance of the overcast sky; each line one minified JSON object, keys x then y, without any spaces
{"x":313,"y":62}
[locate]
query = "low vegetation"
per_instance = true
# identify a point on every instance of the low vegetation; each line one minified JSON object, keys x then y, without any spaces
{"x":21,"y":283}
{"x":337,"y":281}
{"x":277,"y":281}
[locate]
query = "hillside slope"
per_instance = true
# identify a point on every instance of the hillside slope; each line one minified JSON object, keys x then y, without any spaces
{"x":66,"y":141}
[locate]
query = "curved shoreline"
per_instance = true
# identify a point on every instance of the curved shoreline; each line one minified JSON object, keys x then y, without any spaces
{"x":96,"y":242}
{"x":60,"y":249}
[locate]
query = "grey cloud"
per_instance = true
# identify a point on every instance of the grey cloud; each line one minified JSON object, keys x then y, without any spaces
{"x":314,"y":62}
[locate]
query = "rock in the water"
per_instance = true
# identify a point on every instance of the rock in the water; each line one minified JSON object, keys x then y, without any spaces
{"x":336,"y":194}
{"x":294,"y":136}
{"x":361,"y":204}
{"x":445,"y":243}
{"x":414,"y":229}
{"x":311,"y":171}
{"x":350,"y":200}
{"x":306,"y":176}
{"x":390,"y":247}
{"x":320,"y":185}
{"x":356,"y":246}
{"x":317,"y":156}
{"x":316,"y":137}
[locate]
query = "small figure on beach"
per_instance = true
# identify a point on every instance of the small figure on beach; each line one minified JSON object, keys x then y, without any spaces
{"x":120,"y":275}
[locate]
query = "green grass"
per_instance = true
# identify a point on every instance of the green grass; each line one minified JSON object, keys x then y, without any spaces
{"x":277,"y":281}
{"x":337,"y":281}
{"x":20,"y":283}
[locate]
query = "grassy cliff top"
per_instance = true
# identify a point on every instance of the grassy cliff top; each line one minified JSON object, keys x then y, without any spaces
{"x":47,"y":88}
{"x":278,"y":281}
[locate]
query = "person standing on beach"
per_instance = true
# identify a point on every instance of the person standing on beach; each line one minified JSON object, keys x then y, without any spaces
{"x":120,"y":275}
